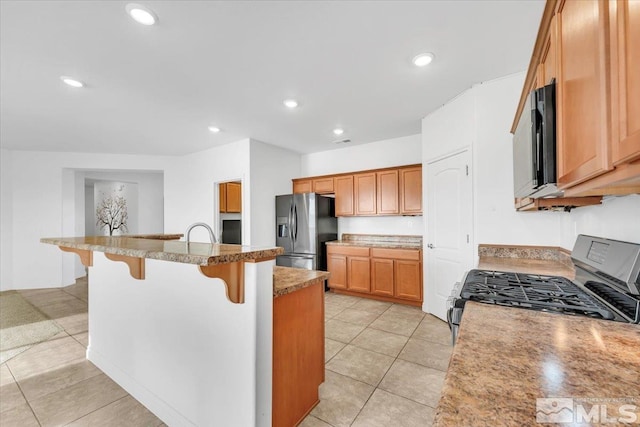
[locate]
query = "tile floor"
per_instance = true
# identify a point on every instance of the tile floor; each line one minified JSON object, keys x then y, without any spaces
{"x":385,"y":365}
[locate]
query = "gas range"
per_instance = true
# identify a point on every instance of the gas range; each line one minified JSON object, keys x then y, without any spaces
{"x":605,"y":286}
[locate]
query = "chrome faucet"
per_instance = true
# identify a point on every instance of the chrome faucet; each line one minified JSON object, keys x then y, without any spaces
{"x":201,"y":224}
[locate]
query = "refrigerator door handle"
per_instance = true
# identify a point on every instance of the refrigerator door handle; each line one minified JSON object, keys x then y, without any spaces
{"x":295,"y":219}
{"x":291,"y":226}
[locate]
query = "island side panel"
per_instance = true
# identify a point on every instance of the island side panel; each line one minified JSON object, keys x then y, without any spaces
{"x":175,"y":342}
{"x":298,"y":353}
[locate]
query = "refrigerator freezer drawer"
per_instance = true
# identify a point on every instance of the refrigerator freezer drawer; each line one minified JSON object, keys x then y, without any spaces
{"x":297,"y":261}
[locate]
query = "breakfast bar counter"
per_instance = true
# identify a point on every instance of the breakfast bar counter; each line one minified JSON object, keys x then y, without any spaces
{"x":185,"y":328}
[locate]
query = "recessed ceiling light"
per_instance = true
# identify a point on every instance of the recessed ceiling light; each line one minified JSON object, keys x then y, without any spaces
{"x":290,"y":103}
{"x":338,"y":131}
{"x":141,"y":14}
{"x":214,"y":129}
{"x":423,"y":59}
{"x":71,"y":82}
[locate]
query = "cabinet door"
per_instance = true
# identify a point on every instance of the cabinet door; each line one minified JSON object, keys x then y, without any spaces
{"x":387,"y":193}
{"x":382,"y":276}
{"x":323,"y":186}
{"x":408,"y":279}
{"x":582,"y":91}
{"x":222,"y":190}
{"x":358,"y":274}
{"x":337,"y":266}
{"x":303,"y":186}
{"x":344,"y":195}
{"x":234,"y":197}
{"x":625,"y":80}
{"x":364,"y":185}
{"x":411,"y":191}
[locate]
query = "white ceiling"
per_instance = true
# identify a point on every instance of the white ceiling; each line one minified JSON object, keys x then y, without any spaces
{"x":155,"y":90}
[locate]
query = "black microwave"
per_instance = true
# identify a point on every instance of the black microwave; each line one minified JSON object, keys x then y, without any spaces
{"x":534,"y":146}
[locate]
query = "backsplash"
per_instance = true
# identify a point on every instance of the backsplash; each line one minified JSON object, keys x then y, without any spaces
{"x":550,"y":253}
{"x":382,"y":238}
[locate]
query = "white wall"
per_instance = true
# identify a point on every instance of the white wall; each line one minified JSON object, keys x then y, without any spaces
{"x":150,"y":216}
{"x":480,"y":119}
{"x":616,"y":218}
{"x":43,"y":205}
{"x":380,"y":154}
{"x":191,"y":193}
{"x":272,"y":169}
{"x":6,"y":220}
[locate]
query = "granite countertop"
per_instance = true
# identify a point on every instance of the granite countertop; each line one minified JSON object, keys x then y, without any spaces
{"x":167,"y":250}
{"x":287,"y":279}
{"x":545,"y":260}
{"x":379,"y":241}
{"x":505,"y":358}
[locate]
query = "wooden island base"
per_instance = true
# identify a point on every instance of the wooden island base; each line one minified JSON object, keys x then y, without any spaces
{"x":298,"y":353}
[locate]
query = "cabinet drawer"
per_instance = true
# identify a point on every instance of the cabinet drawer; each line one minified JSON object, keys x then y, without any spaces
{"x":347,"y":250}
{"x":410,"y":254}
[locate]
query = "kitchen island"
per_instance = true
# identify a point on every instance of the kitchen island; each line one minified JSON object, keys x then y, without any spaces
{"x":186,"y":329}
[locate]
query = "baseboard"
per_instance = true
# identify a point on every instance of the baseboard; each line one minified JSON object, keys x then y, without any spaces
{"x":153,"y":403}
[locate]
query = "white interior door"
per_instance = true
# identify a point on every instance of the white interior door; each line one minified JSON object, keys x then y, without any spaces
{"x":449,"y":252}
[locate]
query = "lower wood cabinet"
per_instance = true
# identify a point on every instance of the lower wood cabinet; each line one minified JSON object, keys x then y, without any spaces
{"x":379,"y":273}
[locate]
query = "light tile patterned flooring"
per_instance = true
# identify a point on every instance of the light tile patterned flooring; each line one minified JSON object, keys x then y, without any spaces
{"x":385,"y":365}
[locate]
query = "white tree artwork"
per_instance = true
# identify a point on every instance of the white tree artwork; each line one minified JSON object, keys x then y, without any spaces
{"x":111,"y":212}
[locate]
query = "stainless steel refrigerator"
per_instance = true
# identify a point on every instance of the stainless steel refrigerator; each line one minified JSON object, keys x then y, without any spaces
{"x":304,"y":223}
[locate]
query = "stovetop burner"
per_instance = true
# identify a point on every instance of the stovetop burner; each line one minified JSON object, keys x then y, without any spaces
{"x":537,"y":292}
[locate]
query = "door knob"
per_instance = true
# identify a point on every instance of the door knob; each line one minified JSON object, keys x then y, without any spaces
{"x":430,"y":246}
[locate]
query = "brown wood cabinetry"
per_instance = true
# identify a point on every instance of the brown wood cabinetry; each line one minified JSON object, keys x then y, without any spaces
{"x":298,"y":353}
{"x":411,"y":191}
{"x":364,"y":191}
{"x":302,"y":186}
{"x":230,"y":197}
{"x":344,"y":195}
{"x":387,"y":189}
{"x":590,"y":47}
{"x":378,"y":273}
{"x":390,"y":191}
{"x":358,"y":274}
{"x":625,"y":80}
{"x":382,"y":277}
{"x":323,"y":185}
{"x":581,"y":114}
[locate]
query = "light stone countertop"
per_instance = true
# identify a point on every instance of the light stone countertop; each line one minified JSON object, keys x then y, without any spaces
{"x":379,"y":241}
{"x":505,"y":358}
{"x":167,"y":250}
{"x":287,"y":279}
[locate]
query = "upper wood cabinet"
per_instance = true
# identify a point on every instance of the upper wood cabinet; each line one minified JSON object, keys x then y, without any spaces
{"x":590,"y":47}
{"x":323,"y":185}
{"x":234,"y":197}
{"x":411,"y":191}
{"x":389,"y":191}
{"x":582,"y":91}
{"x":364,"y":185}
{"x":230,"y":197}
{"x":387,"y":197}
{"x":625,"y":80}
{"x":344,"y":195}
{"x":302,"y":186}
{"x":222,"y":191}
